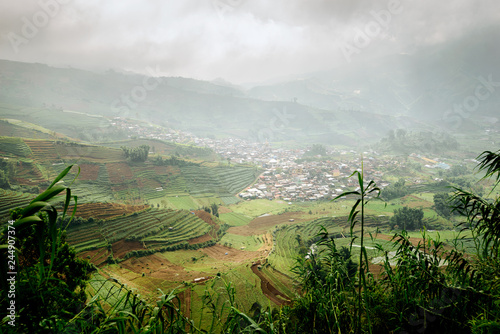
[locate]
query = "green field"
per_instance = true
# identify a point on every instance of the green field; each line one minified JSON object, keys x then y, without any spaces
{"x":235,"y":219}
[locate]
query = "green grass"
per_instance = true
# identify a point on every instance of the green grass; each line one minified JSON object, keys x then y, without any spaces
{"x":234,"y":219}
{"x":182,"y":202}
{"x":256,"y":208}
{"x":248,"y":243}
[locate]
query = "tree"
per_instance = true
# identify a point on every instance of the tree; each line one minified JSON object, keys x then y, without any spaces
{"x":4,"y":180}
{"x":442,"y":205}
{"x":215,"y":209}
{"x":407,"y":218}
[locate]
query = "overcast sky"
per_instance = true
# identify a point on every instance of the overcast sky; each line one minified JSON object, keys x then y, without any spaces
{"x":238,"y":40}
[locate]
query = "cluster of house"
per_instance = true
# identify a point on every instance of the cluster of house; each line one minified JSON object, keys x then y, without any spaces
{"x":314,"y":180}
{"x":286,"y":176}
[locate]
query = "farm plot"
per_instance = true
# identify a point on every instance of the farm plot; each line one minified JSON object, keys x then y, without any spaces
{"x":286,"y":244}
{"x":75,"y":151}
{"x":110,"y":293}
{"x":235,"y":179}
{"x":235,"y":219}
{"x":262,"y":224}
{"x":176,"y":186}
{"x":42,"y":149}
{"x":86,"y":237}
{"x":156,"y":227}
{"x":28,"y":173}
{"x":184,"y":227}
{"x":87,"y":192}
{"x":89,"y":172}
{"x":11,"y":200}
{"x":223,"y":181}
{"x":12,"y":130}
{"x":182,"y":202}
{"x":228,"y":200}
{"x":247,"y":243}
{"x":10,"y":146}
{"x":119,"y":172}
{"x":105,"y":210}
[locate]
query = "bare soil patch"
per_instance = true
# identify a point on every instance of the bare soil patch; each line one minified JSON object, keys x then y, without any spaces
{"x":158,"y":267}
{"x":228,"y":254}
{"x":97,"y":256}
{"x":122,"y":247}
{"x":268,"y":289}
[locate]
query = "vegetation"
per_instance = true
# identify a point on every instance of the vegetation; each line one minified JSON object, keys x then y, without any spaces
{"x":408,"y":219}
{"x":137,"y":154}
{"x":424,"y":285}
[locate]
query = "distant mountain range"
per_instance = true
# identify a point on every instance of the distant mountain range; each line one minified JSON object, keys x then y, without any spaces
{"x":347,"y":105}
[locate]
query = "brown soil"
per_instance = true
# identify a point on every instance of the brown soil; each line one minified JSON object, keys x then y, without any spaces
{"x":122,"y":247}
{"x":97,"y":257}
{"x":223,"y":209}
{"x":119,"y":172}
{"x":199,"y":240}
{"x":268,"y":242}
{"x":268,"y":289}
{"x":89,"y":172}
{"x":207,"y":218}
{"x":218,"y":252}
{"x":158,"y":267}
{"x":263,"y":224}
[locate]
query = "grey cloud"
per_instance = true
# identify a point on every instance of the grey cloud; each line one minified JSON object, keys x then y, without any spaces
{"x":246,"y":41}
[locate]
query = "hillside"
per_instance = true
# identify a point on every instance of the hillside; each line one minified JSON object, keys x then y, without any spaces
{"x":82,"y":104}
{"x":106,"y":176}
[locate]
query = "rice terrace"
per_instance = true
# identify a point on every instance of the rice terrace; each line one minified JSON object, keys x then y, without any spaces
{"x":250,"y":167}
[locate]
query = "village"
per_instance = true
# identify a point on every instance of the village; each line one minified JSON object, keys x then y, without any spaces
{"x":288,"y":174}
{"x":291,"y":175}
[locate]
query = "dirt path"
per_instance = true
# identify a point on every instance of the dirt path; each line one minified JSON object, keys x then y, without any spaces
{"x":268,"y":289}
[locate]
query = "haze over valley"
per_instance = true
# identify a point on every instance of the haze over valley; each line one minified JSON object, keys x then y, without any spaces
{"x":231,"y":166}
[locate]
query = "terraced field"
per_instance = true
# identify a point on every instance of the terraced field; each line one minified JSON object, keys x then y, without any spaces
{"x":105,"y":210}
{"x":222,"y":181}
{"x":12,"y":147}
{"x":235,"y":219}
{"x":75,"y":151}
{"x":153,"y":228}
{"x":11,"y":199}
{"x":42,"y":149}
{"x":286,"y":247}
{"x":12,"y":130}
{"x":28,"y":173}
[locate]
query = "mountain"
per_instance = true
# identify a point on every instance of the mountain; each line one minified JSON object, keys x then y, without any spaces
{"x":436,"y":84}
{"x":434,"y":87}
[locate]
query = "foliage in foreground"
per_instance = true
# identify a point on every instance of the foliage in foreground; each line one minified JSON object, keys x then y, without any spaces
{"x":424,"y":287}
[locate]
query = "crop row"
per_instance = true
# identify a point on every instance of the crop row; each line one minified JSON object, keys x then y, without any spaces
{"x":228,"y":200}
{"x":14,"y":146}
{"x":224,"y":181}
{"x":42,"y":149}
{"x":10,"y":200}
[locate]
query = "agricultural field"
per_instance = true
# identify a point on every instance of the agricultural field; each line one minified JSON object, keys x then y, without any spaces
{"x":11,"y":200}
{"x":235,"y":219}
{"x":42,"y":149}
{"x":14,"y":147}
{"x":105,"y":210}
{"x":152,"y":228}
{"x":9,"y":128}
{"x":222,"y":181}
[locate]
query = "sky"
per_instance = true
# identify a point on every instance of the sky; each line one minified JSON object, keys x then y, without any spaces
{"x":241,"y":41}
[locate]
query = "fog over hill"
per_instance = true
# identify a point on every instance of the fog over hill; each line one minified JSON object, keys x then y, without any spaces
{"x":327,"y":72}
